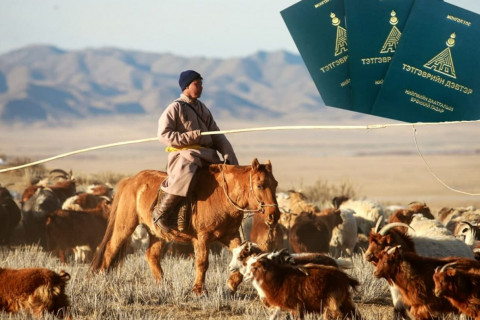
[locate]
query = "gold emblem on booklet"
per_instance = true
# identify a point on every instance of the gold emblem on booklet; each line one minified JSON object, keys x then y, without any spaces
{"x":443,"y":62}
{"x":341,"y":42}
{"x":390,"y":44}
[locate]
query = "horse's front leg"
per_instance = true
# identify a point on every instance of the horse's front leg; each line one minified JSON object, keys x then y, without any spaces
{"x":201,"y":248}
{"x":235,"y":278}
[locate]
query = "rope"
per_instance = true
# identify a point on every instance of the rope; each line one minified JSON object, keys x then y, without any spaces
{"x":63,"y":155}
{"x":324,"y":127}
{"x":367,"y":127}
{"x":431,"y":171}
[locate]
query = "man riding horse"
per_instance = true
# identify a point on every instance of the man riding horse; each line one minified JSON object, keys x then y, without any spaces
{"x":179,"y":128}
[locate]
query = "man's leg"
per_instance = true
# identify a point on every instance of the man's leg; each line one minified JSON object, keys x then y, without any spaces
{"x":164,"y":208}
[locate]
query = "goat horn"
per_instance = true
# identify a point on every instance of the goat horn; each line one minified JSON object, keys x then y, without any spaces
{"x":448,"y":265}
{"x":377,"y":226}
{"x":263,"y":255}
{"x":392,"y":249}
{"x":389,"y":226}
{"x":467,"y":223}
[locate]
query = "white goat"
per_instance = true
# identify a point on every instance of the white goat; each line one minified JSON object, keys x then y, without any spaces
{"x":344,"y":236}
{"x":367,"y":213}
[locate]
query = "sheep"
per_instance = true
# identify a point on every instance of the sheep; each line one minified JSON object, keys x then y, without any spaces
{"x":367,"y":212}
{"x":413,"y":276}
{"x":435,"y":246}
{"x":312,"y":233}
{"x":300,"y":289}
{"x":461,"y":288}
{"x":344,"y":236}
{"x":35,"y":290}
{"x":422,"y":226}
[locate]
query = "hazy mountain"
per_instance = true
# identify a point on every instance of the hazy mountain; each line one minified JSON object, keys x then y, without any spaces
{"x":45,"y":83}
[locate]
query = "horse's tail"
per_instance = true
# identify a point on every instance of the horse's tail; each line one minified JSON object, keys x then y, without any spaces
{"x":99,"y":257}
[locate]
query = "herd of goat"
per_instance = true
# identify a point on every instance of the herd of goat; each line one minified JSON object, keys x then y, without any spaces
{"x":429,"y":260}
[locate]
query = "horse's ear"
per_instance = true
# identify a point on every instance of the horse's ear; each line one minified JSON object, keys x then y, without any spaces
{"x":255,"y":164}
{"x":268,"y":166}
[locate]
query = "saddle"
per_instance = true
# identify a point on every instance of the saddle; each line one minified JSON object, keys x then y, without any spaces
{"x":181,"y":214}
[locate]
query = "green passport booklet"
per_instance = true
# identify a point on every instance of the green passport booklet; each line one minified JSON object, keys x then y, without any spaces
{"x":318,"y":30}
{"x":434,"y":75}
{"x":374,"y":29}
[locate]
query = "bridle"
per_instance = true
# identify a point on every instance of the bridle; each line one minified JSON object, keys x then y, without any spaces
{"x":250,"y":212}
{"x":261,"y":204}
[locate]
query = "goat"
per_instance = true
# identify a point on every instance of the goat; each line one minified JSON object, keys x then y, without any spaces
{"x":246,"y":250}
{"x":406,"y":215}
{"x":300,"y":289}
{"x":413,"y":277}
{"x":461,"y":288}
{"x":312,"y":233}
{"x":66,"y":229}
{"x":390,"y":235}
{"x":10,"y":215}
{"x":344,"y":235}
{"x":36,"y":290}
{"x":367,"y":212}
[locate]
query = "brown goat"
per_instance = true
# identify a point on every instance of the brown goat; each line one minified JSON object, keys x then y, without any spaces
{"x":36,"y":290}
{"x":461,"y":288}
{"x":312,"y":233}
{"x":413,"y":276}
{"x":246,"y":250}
{"x":66,"y":229}
{"x":301,"y":289}
{"x":405,"y":215}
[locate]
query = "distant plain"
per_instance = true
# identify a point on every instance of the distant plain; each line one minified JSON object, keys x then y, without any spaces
{"x":381,"y":164}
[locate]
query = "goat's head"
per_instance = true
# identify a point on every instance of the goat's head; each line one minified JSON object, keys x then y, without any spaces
{"x":241,"y":254}
{"x":378,"y":241}
{"x":445,"y":280}
{"x":388,"y":262}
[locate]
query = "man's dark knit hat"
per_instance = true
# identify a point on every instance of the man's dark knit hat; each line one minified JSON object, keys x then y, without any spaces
{"x":186,"y":77}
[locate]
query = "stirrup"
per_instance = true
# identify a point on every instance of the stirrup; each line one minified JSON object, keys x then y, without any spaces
{"x":157,"y":221}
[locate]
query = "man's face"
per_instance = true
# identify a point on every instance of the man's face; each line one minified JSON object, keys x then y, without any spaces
{"x":194,"y":89}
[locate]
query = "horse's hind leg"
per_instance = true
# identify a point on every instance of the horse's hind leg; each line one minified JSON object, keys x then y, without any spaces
{"x":116,"y":247}
{"x":154,"y":256}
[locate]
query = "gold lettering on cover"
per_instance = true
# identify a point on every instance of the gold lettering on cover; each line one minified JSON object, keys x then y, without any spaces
{"x":443,"y":62}
{"x":345,"y":82}
{"x":334,"y":64}
{"x":321,"y":3}
{"x":447,"y":83}
{"x":341,"y":40}
{"x":376,"y":60}
{"x":390,"y":44}
{"x":461,"y":21}
{"x":427,"y":102}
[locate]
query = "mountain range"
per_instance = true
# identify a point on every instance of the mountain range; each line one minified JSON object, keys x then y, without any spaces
{"x":44,"y":83}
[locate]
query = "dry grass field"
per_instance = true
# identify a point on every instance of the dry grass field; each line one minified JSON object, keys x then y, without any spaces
{"x":380,"y":164}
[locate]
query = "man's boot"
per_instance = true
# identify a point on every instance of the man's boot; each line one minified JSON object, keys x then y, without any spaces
{"x":164,"y":208}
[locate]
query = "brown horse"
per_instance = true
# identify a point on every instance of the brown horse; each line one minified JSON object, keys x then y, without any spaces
{"x":223,"y":194}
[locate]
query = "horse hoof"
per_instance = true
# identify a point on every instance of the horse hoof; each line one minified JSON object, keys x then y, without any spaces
{"x":200,"y":291}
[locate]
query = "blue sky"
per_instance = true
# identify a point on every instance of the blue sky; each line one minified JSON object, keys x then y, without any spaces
{"x":209,"y":28}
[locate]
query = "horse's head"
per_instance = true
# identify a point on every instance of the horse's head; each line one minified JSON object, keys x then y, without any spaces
{"x":263,"y":187}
